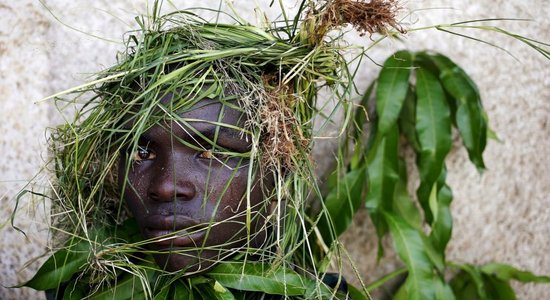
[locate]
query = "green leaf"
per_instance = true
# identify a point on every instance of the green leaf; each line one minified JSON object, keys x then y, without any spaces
{"x":409,"y":245}
{"x":357,"y":294}
{"x":472,"y":278}
{"x":61,"y":266}
{"x":75,"y":290}
{"x":463,"y":287}
{"x":470,"y":119}
{"x":163,"y":293}
{"x":362,"y":112}
{"x":443,"y":221}
{"x":403,"y":205}
{"x":383,"y":174}
{"x":407,"y":119}
{"x":507,"y":272}
{"x":129,"y":287}
{"x":433,"y":127}
{"x":181,"y":291}
{"x":442,"y":291}
{"x":259,"y":278}
{"x":211,"y":290}
{"x":342,"y":203}
{"x":393,"y":83}
{"x":498,"y":289}
{"x":358,"y":134}
{"x":319,"y":290}
{"x":221,"y":293}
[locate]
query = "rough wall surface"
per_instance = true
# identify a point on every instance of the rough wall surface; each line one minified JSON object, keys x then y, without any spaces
{"x":500,"y":216}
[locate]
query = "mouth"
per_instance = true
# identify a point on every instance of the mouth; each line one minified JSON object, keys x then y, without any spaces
{"x":174,"y":231}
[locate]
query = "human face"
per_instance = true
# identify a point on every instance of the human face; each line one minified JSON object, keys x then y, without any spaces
{"x":190,"y":203}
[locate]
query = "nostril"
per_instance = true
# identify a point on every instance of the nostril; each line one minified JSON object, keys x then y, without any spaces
{"x":168,"y":190}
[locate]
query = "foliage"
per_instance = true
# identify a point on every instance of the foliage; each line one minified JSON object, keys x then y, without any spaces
{"x":420,"y":97}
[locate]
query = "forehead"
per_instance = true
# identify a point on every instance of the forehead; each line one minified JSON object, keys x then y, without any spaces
{"x":211,"y":118}
{"x":207,"y":109}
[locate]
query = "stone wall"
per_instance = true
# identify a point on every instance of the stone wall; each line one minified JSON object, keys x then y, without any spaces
{"x":500,"y":216}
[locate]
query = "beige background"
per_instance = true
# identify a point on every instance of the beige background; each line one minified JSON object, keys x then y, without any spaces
{"x":500,"y":216}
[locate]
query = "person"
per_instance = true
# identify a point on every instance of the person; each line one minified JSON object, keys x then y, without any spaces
{"x":187,"y":170}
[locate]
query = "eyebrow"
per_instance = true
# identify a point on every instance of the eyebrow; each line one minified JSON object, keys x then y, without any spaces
{"x":209,"y":131}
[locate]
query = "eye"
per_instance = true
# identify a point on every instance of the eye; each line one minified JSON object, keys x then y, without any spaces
{"x":143,"y":153}
{"x":209,"y":154}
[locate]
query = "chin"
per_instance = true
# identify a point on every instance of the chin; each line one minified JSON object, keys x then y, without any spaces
{"x":189,"y":263}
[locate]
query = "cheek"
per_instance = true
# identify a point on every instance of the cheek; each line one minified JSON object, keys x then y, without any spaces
{"x":234,"y":201}
{"x":133,"y":188}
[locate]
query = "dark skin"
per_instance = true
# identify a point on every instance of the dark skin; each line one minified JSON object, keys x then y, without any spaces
{"x":189,"y":200}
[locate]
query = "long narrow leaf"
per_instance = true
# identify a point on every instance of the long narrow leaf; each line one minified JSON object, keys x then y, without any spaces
{"x":443,"y":221}
{"x":507,"y":272}
{"x":470,"y":114}
{"x":61,"y":266}
{"x":391,"y":91}
{"x":407,"y":119}
{"x":259,"y":278}
{"x":125,"y":289}
{"x":409,"y":246}
{"x":342,"y":203}
{"x":403,"y":205}
{"x":383,"y":174}
{"x":433,"y":127}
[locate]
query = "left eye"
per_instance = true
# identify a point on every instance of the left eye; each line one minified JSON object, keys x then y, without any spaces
{"x":143,"y":153}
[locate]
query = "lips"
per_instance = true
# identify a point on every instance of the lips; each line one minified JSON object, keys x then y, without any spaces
{"x":175,"y":231}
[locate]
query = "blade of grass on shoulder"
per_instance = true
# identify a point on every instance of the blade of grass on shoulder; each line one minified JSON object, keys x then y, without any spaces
{"x":391,"y":90}
{"x":433,"y":128}
{"x":383,"y":174}
{"x":409,"y":245}
{"x":259,"y":278}
{"x":470,"y":118}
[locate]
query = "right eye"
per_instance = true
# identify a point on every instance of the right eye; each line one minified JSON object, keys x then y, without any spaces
{"x":143,"y":153}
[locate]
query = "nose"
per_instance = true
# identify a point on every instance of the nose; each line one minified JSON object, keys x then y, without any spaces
{"x":171,"y":183}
